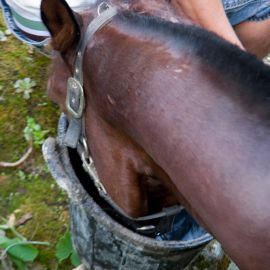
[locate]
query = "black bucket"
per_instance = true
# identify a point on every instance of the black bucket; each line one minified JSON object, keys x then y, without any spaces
{"x":102,"y":242}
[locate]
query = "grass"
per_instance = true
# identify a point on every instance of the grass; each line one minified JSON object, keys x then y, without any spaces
{"x":29,"y":188}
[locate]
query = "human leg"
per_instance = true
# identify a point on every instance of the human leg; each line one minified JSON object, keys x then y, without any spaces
{"x":251,"y":22}
{"x":255,"y":36}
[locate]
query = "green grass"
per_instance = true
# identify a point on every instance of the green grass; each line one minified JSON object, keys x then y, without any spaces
{"x":29,"y":188}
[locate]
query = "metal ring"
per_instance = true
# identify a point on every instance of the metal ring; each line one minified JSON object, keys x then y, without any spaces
{"x":102,"y":7}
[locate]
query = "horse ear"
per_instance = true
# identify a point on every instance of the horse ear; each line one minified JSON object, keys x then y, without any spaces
{"x":61,"y":23}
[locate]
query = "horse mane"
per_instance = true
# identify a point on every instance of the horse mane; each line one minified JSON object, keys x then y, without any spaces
{"x":238,"y":66}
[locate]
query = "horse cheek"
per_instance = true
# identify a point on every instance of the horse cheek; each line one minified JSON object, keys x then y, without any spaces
{"x":56,"y":91}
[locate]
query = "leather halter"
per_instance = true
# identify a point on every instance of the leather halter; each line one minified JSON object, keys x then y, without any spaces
{"x":75,"y":133}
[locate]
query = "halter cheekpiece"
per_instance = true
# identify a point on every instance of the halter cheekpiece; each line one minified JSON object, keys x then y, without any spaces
{"x":75,"y":133}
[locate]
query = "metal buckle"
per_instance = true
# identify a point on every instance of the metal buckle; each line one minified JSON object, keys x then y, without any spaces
{"x":75,"y":98}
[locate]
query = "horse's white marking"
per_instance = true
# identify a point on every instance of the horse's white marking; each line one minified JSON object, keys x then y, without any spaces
{"x":174,"y":20}
{"x":111,"y":100}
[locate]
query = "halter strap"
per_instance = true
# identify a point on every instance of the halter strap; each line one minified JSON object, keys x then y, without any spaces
{"x":74,"y":136}
{"x":75,"y":94}
{"x":104,"y":18}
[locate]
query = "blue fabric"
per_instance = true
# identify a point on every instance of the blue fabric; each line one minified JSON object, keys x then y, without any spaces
{"x":246,"y":10}
{"x":184,"y":228}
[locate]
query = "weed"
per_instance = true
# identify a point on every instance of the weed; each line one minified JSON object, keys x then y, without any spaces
{"x":65,"y":250}
{"x":2,"y":36}
{"x":17,"y":248}
{"x":33,"y":132}
{"x":25,"y":86}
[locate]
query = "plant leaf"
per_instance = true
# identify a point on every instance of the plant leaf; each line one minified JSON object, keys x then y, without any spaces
{"x":4,"y":227}
{"x":74,"y":258}
{"x":25,"y":253}
{"x":20,"y":265}
{"x":64,"y":247}
{"x":4,"y":241}
{"x":21,"y":250}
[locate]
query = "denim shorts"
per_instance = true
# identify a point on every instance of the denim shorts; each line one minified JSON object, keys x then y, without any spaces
{"x":246,"y":10}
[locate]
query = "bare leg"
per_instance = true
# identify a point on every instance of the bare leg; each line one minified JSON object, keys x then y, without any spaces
{"x":210,"y":15}
{"x":255,"y":36}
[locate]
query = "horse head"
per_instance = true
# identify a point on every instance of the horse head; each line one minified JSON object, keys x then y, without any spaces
{"x":133,"y":178}
{"x":169,"y":113}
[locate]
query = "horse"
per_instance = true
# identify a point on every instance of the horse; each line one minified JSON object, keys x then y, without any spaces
{"x":175,"y":111}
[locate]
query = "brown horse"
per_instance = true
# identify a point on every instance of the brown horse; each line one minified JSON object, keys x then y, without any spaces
{"x":175,"y":111}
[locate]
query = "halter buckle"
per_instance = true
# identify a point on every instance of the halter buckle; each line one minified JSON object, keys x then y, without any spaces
{"x":75,"y":98}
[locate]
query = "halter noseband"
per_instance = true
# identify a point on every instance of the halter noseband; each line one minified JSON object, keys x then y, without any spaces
{"x":75,"y":133}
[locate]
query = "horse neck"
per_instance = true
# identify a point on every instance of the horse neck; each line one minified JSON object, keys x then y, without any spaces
{"x":195,"y":100}
{"x":183,"y":114}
